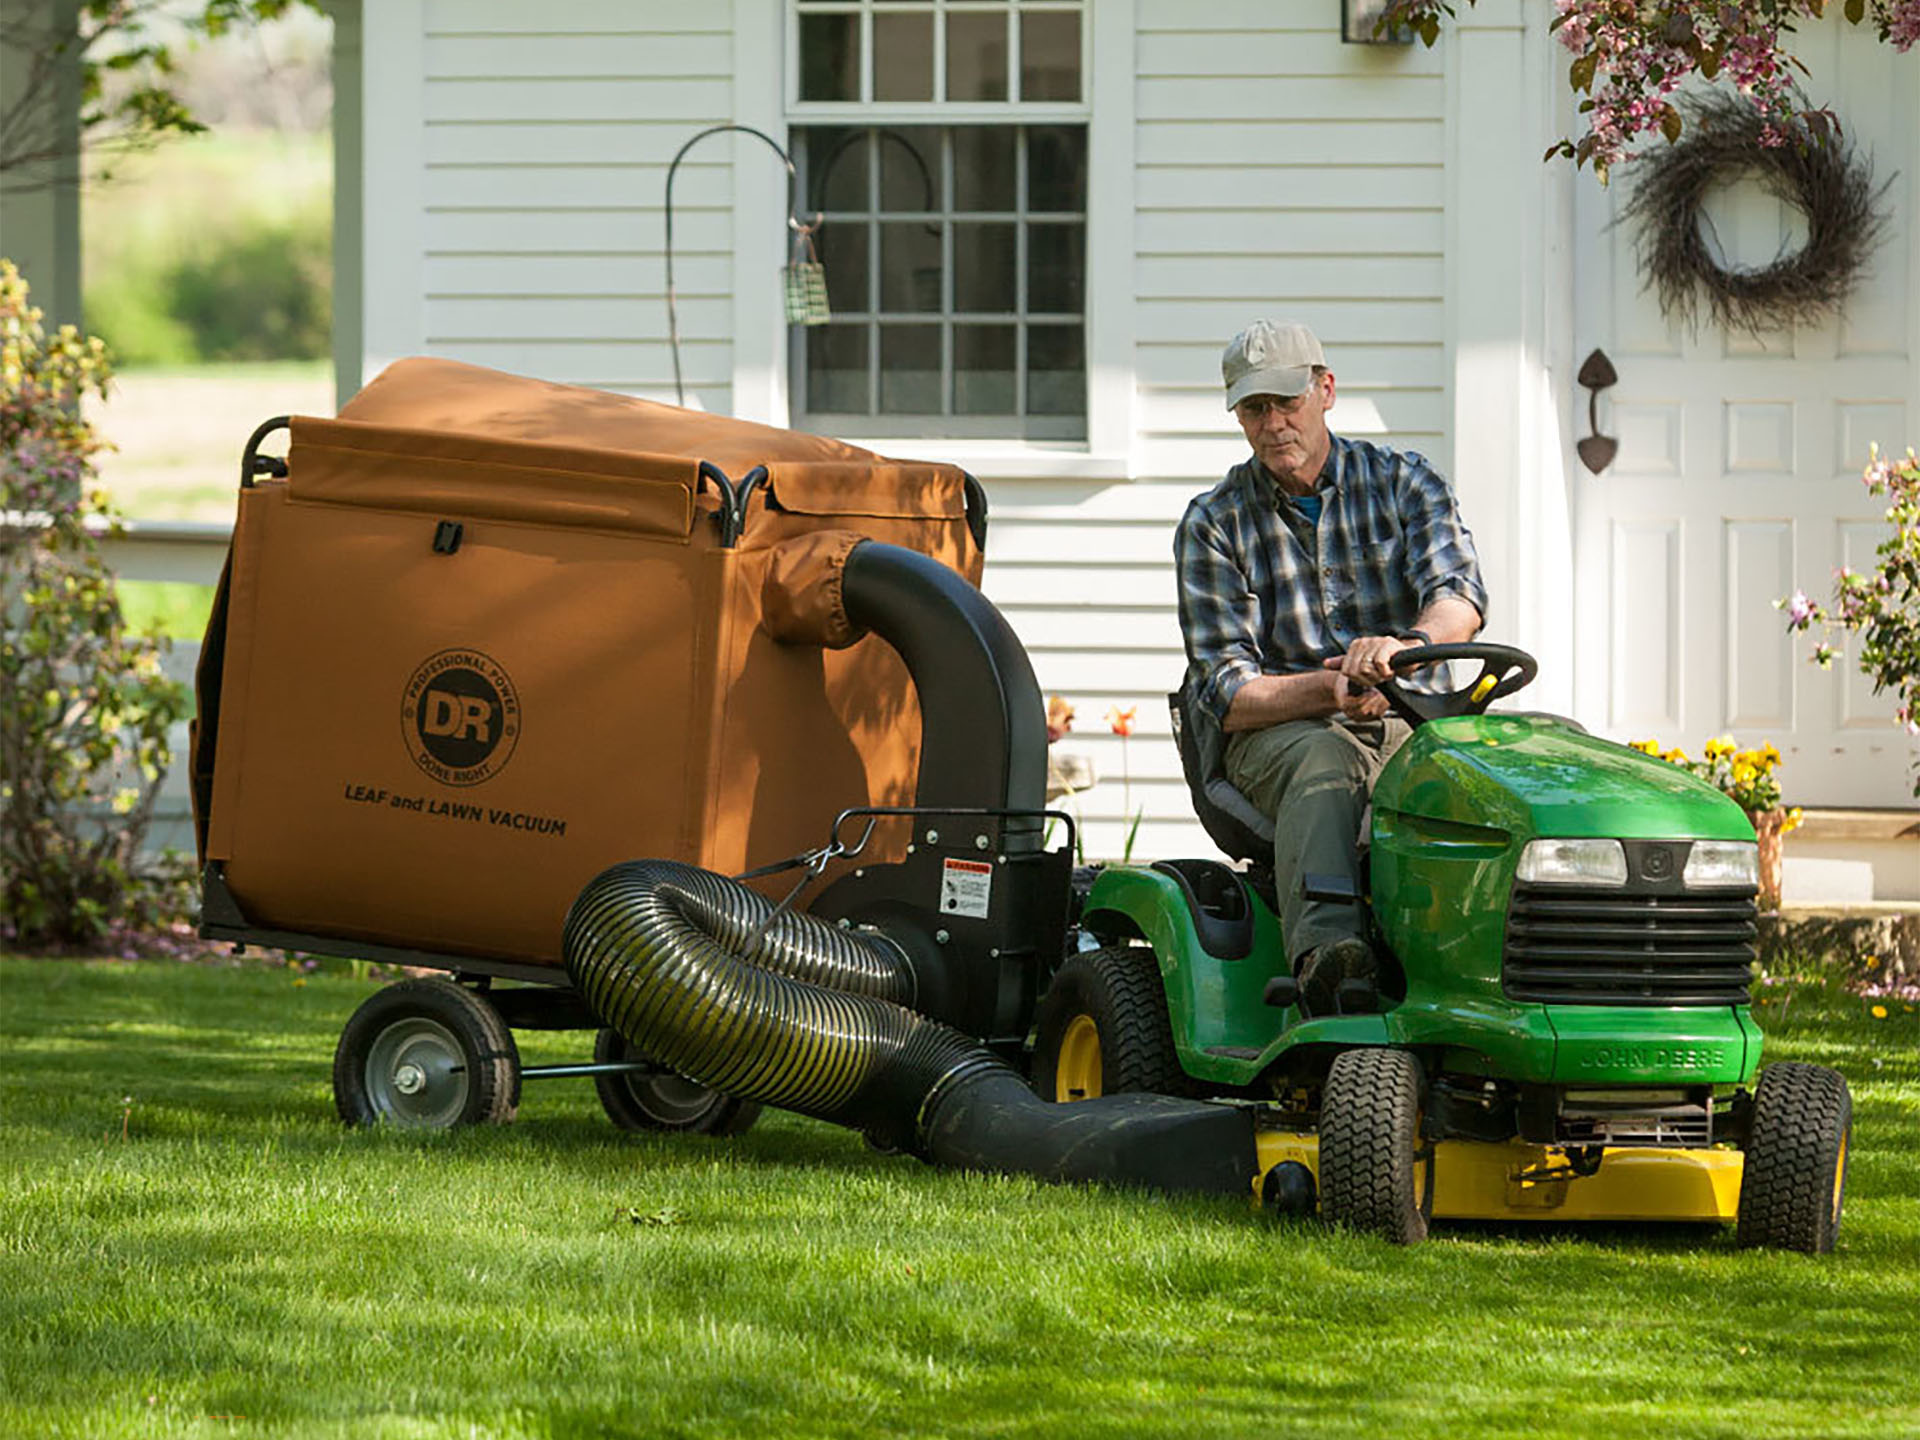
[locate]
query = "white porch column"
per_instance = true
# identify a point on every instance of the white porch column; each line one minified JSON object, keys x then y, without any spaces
{"x":391,"y":255}
{"x":1507,"y":321}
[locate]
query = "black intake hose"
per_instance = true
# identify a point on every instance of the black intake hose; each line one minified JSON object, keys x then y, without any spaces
{"x":811,"y":1023}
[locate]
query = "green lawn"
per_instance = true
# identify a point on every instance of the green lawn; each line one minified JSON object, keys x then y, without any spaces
{"x":191,"y":1245}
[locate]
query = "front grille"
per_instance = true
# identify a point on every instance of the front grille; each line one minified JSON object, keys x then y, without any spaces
{"x":1579,"y":946}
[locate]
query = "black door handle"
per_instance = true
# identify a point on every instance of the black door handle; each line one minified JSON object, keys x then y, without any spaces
{"x":1596,"y":374}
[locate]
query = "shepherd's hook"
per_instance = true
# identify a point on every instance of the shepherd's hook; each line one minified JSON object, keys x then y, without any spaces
{"x":793,"y":223}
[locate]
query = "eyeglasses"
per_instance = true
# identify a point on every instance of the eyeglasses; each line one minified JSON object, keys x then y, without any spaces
{"x":1258,"y":407}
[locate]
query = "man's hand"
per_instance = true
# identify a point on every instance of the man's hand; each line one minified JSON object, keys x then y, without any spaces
{"x":1357,"y":704}
{"x":1367,"y":659}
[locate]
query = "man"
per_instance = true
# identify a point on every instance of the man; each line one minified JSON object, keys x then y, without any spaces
{"x":1302,"y":574}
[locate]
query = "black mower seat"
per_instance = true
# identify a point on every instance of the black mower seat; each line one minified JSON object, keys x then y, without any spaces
{"x":1237,"y":826}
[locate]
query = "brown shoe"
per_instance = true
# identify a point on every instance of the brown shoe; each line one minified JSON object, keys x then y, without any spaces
{"x":1324,"y":967}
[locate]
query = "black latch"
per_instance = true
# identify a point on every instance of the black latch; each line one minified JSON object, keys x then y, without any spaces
{"x":446,"y":537}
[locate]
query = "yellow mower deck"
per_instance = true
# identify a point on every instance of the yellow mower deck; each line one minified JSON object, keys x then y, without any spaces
{"x":1518,"y":1181}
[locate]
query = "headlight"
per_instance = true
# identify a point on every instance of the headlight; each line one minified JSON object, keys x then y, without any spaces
{"x":1715,"y":863}
{"x":1574,"y":862}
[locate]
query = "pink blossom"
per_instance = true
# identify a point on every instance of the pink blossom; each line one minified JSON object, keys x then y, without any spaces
{"x":1799,"y":610}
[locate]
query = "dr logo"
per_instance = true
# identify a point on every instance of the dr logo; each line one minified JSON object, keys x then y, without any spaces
{"x":460,"y":717}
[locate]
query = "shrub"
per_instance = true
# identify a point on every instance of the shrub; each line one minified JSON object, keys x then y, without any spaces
{"x":263,"y":293}
{"x":84,"y":708}
{"x":251,"y":289}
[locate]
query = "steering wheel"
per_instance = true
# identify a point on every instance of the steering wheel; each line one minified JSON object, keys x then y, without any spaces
{"x":1503,"y":670}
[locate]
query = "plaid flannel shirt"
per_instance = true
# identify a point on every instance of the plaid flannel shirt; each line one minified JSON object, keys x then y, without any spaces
{"x":1264,"y":592}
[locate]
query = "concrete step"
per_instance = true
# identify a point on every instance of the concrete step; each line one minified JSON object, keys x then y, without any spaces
{"x":1822,"y":858}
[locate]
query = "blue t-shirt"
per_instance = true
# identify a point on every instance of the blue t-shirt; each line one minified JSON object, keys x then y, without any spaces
{"x":1308,"y":505}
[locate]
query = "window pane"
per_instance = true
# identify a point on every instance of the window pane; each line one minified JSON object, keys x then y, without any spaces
{"x":984,"y":268}
{"x":909,"y":169}
{"x":910,"y":267}
{"x":829,"y":57}
{"x":843,"y":250}
{"x":837,"y":369}
{"x":835,"y":162}
{"x":910,"y":369}
{"x":1050,"y":55}
{"x":1057,"y":168}
{"x":976,"y":56}
{"x":983,"y":173}
{"x":1056,"y":370}
{"x":903,"y":56}
{"x":1056,"y":268}
{"x":983,"y":370}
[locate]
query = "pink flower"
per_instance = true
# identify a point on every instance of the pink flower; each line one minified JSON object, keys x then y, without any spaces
{"x":1799,"y":610}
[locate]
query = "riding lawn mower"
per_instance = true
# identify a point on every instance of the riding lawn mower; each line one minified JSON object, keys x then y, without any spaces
{"x":485,"y":640}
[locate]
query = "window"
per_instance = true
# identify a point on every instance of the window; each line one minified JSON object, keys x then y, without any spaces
{"x":944,"y":143}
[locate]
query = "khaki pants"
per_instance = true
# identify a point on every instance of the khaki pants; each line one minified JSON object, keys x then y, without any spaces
{"x":1314,"y":777}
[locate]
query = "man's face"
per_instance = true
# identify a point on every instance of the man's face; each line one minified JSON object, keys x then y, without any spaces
{"x":1289,"y":435}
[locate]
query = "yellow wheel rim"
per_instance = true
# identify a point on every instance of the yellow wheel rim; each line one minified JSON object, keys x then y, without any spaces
{"x":1077,"y":1074}
{"x":1839,"y":1177}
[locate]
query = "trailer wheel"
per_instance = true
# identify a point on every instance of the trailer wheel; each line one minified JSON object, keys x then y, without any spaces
{"x":1374,"y":1175}
{"x":1795,"y":1179}
{"x":1103,"y":1029}
{"x":426,"y":1054}
{"x":662,"y":1100}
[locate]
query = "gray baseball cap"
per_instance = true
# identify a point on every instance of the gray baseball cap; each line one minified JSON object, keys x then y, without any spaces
{"x":1270,"y":359}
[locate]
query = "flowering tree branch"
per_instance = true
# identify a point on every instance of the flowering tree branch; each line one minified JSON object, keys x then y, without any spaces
{"x":1630,"y":56}
{"x":1881,"y":607}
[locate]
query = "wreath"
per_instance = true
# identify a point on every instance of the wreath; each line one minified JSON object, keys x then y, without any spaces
{"x":1824,"y":180}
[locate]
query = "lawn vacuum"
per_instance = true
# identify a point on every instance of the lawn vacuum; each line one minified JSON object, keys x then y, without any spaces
{"x":483,"y":640}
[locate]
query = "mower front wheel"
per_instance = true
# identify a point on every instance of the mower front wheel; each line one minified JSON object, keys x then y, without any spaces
{"x":1794,"y":1181}
{"x":1103,"y":1028}
{"x":1374,"y":1174}
{"x":428,"y":1055}
{"x":659,"y":1099}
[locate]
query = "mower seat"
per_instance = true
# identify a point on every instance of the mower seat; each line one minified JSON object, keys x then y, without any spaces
{"x":1236,"y":825}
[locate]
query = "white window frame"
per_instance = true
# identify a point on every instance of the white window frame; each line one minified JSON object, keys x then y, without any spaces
{"x":766,"y":71}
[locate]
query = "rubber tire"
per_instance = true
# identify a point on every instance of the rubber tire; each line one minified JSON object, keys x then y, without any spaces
{"x":1370,"y":1176}
{"x":637,"y":1102}
{"x":1120,"y":991}
{"x":1794,"y":1183}
{"x":442,"y":1020}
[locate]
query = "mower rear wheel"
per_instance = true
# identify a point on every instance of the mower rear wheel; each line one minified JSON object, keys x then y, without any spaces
{"x":1374,"y":1174}
{"x":660,"y":1099}
{"x":428,"y":1055}
{"x":1794,"y":1182}
{"x":1103,"y":1029}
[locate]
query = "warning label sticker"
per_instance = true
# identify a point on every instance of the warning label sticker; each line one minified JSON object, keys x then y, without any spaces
{"x":965,"y":888}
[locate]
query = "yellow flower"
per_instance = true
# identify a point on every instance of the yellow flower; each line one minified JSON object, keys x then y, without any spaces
{"x":1879,"y":1012}
{"x":1772,"y":755}
{"x":1792,"y":822}
{"x":1744,"y":774}
{"x":1718,"y":746}
{"x":1645,"y":747}
{"x":1675,"y":756}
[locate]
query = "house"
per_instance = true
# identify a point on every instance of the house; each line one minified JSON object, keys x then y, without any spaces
{"x":1042,"y":220}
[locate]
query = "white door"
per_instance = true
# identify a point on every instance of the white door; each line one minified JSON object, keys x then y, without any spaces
{"x":1738,"y":473}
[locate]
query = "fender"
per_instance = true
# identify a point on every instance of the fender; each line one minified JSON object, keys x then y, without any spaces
{"x":1223,"y":1031}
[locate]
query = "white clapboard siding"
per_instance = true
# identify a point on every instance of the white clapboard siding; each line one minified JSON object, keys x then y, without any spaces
{"x":638,"y":273}
{"x":1281,"y":172}
{"x":1248,"y":229}
{"x":549,"y":131}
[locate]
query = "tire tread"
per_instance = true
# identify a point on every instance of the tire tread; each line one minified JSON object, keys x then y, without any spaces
{"x":1802,"y":1115}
